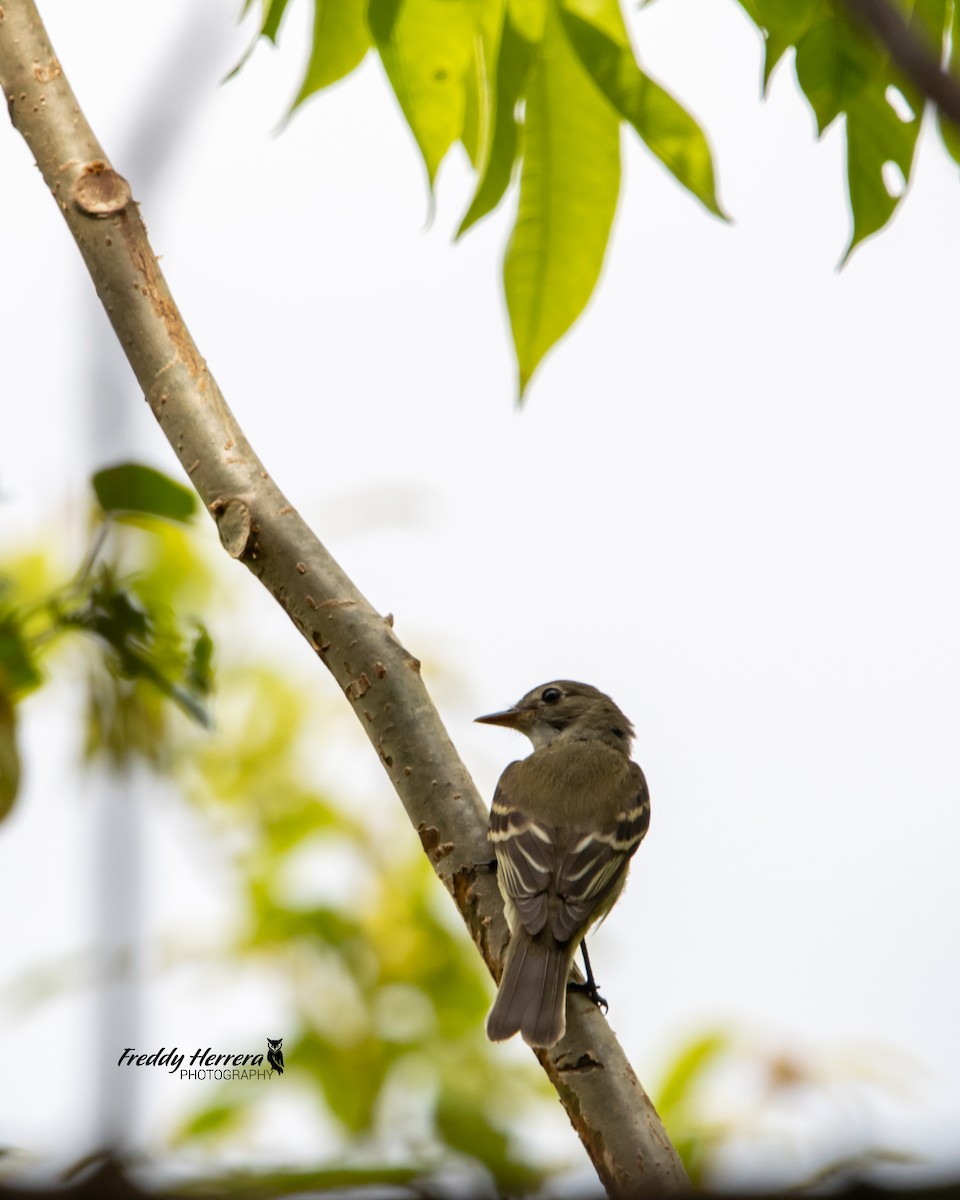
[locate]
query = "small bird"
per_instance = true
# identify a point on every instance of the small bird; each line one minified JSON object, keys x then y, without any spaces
{"x":564,"y":824}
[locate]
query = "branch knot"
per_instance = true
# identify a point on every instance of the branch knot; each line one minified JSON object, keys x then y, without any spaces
{"x":100,"y":191}
{"x":234,"y":524}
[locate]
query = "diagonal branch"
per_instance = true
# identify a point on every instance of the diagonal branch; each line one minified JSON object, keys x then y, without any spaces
{"x":608,"y":1108}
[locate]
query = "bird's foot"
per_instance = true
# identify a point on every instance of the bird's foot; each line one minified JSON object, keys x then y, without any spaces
{"x":589,"y":989}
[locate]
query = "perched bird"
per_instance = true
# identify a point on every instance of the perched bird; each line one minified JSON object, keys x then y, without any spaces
{"x":564,"y":824}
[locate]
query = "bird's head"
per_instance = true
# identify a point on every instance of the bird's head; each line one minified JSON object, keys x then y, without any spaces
{"x":573,"y":711}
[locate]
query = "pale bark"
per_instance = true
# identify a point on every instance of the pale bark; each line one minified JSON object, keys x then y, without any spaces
{"x":605,"y":1102}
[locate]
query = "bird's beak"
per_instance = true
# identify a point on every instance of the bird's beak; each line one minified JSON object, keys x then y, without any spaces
{"x":511,"y":718}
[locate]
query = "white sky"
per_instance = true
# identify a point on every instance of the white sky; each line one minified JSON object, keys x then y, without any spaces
{"x":731,"y":501}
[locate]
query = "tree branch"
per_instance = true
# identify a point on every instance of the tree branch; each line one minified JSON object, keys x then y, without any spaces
{"x":916,"y":56}
{"x":258,"y":526}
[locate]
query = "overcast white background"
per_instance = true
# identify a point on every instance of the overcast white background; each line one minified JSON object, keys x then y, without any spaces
{"x":731,"y":500}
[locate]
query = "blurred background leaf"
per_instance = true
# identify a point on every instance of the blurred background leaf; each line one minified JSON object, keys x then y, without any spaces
{"x":386,"y":991}
{"x":729,"y":1091}
{"x":135,"y":488}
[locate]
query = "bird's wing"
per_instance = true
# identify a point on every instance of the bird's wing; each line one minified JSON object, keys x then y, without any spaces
{"x":526,"y":857}
{"x":591,"y":871}
{"x":566,"y":875}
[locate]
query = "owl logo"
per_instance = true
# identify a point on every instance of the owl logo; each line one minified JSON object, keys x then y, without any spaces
{"x":275,"y":1054}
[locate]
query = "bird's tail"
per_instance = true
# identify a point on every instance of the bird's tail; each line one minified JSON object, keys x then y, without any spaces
{"x":532,"y":998}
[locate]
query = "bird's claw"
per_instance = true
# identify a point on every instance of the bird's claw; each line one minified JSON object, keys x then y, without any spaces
{"x":590,"y":990}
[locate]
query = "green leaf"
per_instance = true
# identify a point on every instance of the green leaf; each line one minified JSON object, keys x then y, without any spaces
{"x":341,"y":39}
{"x":146,"y":646}
{"x":784,"y":22}
{"x":842,"y":70}
{"x":599,"y":36}
{"x":688,"y":1067}
{"x":19,"y":673}
{"x":273,"y":15}
{"x":834,"y":65}
{"x":468,"y":1130}
{"x":133,"y":488}
{"x":9,"y":756}
{"x":214,"y":1121}
{"x":569,"y":186}
{"x":200,"y":671}
{"x":513,"y":62}
{"x":427,"y":47}
{"x":350,"y":1074}
{"x":191,"y":704}
{"x":876,"y":136}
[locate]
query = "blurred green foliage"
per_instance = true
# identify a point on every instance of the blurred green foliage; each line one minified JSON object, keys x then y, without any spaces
{"x":387,"y":992}
{"x":131,"y":615}
{"x":132,"y":490}
{"x":728,"y":1088}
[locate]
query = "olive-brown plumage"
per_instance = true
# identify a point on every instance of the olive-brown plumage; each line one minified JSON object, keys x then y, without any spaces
{"x":564,"y":823}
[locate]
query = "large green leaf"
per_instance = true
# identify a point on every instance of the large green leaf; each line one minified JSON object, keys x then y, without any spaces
{"x":513,"y":62}
{"x":427,"y":47}
{"x":569,"y":186}
{"x":341,"y":39}
{"x":876,"y":137}
{"x":599,"y":36}
{"x":834,"y":65}
{"x":134,"y":488}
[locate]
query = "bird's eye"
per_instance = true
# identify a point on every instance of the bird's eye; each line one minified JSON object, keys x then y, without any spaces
{"x":551,"y":695}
